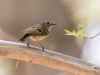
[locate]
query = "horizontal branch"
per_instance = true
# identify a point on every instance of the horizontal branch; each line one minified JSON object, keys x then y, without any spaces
{"x":47,"y":58}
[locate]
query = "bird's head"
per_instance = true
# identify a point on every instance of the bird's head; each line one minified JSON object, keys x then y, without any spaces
{"x":48,"y":25}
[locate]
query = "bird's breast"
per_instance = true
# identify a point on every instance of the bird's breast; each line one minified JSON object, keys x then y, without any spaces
{"x":35,"y":38}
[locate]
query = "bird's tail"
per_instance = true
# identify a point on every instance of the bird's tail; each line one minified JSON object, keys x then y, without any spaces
{"x":24,"y":38}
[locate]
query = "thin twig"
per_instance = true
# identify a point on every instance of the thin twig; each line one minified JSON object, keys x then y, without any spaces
{"x":92,"y":36}
{"x":17,"y":64}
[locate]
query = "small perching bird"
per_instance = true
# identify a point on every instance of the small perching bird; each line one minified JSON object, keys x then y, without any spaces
{"x":37,"y":32}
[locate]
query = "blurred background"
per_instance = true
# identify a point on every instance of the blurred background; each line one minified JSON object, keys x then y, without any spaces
{"x":17,"y":15}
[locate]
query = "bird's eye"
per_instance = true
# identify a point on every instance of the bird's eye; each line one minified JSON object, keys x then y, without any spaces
{"x":47,"y":22}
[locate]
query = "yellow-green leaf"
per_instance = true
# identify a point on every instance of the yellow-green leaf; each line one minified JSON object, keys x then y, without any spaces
{"x":67,"y":31}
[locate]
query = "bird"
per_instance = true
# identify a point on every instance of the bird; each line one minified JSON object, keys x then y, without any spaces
{"x":37,"y":32}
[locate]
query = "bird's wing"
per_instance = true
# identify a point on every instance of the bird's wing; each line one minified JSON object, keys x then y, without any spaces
{"x":35,"y":30}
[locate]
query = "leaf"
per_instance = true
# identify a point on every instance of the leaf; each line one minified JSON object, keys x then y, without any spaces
{"x":68,"y":34}
{"x":84,"y":24}
{"x":78,"y":33}
{"x":80,"y":27}
{"x":67,"y":31}
{"x":74,"y":32}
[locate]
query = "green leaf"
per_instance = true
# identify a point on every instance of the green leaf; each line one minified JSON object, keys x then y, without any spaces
{"x":84,"y":24}
{"x":68,"y":34}
{"x":80,"y":32}
{"x":74,"y":32}
{"x":80,"y":27}
{"x":67,"y":31}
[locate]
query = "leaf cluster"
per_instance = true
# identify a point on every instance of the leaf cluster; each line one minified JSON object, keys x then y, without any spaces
{"x":80,"y":33}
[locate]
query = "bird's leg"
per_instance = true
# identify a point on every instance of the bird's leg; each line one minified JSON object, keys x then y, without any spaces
{"x":28,"y":43}
{"x":41,"y":45}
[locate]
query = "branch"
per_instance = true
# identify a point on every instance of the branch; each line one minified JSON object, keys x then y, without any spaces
{"x":47,"y":58}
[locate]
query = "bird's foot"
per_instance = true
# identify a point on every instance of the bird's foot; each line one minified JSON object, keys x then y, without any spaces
{"x":43,"y":49}
{"x":28,"y":45}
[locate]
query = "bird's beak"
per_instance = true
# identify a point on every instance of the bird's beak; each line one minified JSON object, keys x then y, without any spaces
{"x":53,"y":23}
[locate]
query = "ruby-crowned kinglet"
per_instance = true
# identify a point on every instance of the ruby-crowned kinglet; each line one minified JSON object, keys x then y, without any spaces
{"x":37,"y":32}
